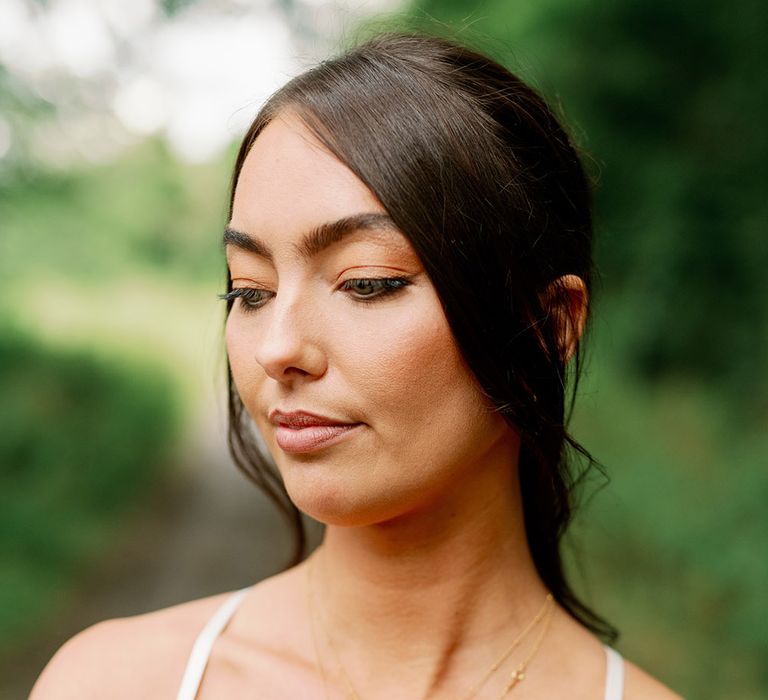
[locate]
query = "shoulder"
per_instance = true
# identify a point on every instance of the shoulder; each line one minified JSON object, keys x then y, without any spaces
{"x":586,"y":662}
{"x":640,"y":685}
{"x":139,"y":656}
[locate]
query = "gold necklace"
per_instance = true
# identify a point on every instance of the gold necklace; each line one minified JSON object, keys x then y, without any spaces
{"x":519,"y":673}
{"x":516,"y":677}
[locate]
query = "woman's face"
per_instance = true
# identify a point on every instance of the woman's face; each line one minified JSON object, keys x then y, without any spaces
{"x":345,"y":325}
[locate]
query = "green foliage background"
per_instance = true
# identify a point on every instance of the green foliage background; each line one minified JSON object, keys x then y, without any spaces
{"x":99,"y":265}
{"x":84,"y":436}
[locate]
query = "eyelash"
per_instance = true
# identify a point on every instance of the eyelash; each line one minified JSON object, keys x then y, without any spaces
{"x":386,"y":286}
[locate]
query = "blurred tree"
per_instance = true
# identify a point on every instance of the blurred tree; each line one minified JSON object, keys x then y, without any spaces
{"x":143,"y":211}
{"x":85,"y":436}
{"x":172,"y":7}
{"x":20,"y":109}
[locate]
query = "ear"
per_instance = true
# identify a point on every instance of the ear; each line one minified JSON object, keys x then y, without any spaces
{"x":567,"y":300}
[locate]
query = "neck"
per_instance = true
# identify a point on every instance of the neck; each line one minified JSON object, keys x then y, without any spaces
{"x":432,"y":592}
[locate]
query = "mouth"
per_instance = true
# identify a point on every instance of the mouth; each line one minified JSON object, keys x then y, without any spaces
{"x":302,"y":431}
{"x":311,"y":437}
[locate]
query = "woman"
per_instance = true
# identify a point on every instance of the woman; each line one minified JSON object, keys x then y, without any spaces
{"x":409,"y":256}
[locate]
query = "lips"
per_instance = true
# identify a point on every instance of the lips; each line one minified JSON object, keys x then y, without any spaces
{"x":302,"y":419}
{"x":302,"y":431}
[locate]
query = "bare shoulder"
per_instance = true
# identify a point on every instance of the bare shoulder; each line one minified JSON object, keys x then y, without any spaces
{"x":640,"y":685}
{"x":139,"y":656}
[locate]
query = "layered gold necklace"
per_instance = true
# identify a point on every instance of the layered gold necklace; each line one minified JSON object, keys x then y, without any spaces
{"x":515,"y":677}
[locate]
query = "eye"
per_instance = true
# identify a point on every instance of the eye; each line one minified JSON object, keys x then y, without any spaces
{"x":251,"y":298}
{"x":369,"y":289}
{"x":364,"y":290}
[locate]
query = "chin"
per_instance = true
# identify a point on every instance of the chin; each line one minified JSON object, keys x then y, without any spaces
{"x":338,"y":504}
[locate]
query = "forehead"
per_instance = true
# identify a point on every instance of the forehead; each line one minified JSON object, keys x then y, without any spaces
{"x":290,"y":181}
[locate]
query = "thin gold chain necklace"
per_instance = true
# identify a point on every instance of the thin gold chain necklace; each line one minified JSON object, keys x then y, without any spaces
{"x":516,"y":677}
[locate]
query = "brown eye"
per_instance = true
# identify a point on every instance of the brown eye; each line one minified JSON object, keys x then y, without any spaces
{"x":374,"y":288}
{"x":251,"y":298}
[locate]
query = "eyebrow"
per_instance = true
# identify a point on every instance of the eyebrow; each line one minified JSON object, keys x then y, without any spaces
{"x":318,"y":238}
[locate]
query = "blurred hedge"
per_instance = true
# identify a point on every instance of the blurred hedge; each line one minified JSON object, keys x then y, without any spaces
{"x":82,"y":437}
{"x":143,"y":210}
{"x":673,"y":547}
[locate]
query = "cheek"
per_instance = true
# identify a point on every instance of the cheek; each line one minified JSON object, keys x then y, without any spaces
{"x":412,"y":362}
{"x":246,"y":372}
{"x":234,"y":342}
{"x":431,"y":425}
{"x":418,"y":391}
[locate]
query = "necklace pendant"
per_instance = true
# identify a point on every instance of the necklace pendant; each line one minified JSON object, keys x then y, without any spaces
{"x":516,"y":677}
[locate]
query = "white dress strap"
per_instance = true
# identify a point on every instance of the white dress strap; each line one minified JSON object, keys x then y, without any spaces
{"x":614,"y":674}
{"x":198,"y":659}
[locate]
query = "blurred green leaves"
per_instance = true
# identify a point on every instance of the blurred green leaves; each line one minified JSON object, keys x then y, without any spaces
{"x":84,"y":436}
{"x":145,"y":210}
{"x":110,"y":262}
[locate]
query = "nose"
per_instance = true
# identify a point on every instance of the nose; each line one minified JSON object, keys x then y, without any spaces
{"x":288,"y":344}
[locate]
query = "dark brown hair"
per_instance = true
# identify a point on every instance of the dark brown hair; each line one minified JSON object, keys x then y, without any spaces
{"x":477,"y":172}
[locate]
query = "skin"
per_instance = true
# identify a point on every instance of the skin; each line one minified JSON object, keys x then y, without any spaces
{"x":425,"y":566}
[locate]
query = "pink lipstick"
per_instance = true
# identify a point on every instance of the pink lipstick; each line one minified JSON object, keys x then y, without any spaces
{"x":302,"y":431}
